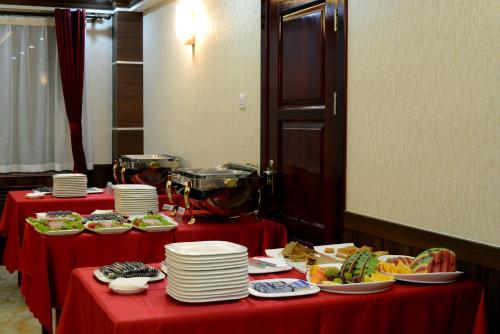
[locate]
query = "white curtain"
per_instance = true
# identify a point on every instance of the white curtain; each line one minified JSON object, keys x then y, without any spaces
{"x":34,"y":130}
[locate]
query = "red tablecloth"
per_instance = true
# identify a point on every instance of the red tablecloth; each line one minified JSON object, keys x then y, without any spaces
{"x":46,"y":262}
{"x":18,"y":208}
{"x":406,"y":308}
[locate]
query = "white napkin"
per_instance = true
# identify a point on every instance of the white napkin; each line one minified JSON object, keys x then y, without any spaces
{"x":133,"y":283}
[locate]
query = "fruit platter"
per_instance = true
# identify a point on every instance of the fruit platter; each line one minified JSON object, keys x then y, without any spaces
{"x":57,"y":223}
{"x":357,"y":275}
{"x":107,"y":223}
{"x":153,"y":222}
{"x":432,"y":266}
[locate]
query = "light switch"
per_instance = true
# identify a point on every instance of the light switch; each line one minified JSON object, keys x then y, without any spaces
{"x":243,"y":101}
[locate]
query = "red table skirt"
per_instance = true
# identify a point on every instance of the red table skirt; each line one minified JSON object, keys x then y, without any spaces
{"x":406,"y":308}
{"x":17,"y":208}
{"x":46,"y":262}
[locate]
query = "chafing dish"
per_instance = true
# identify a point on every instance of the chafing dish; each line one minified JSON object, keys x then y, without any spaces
{"x":150,"y":169}
{"x":224,"y":191}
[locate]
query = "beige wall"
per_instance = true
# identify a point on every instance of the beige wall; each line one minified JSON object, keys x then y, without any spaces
{"x":424,"y":114}
{"x":100,"y":88}
{"x":191,"y":99}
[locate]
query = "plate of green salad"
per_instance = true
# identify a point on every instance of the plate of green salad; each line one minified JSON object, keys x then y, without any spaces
{"x":57,"y":223}
{"x":153,"y":222}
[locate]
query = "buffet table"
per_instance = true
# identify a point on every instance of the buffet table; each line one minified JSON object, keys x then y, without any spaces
{"x":46,"y":262}
{"x":406,"y":308}
{"x":18,"y":208}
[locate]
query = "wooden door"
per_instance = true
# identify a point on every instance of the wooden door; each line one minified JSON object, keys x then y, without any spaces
{"x":303,"y":116}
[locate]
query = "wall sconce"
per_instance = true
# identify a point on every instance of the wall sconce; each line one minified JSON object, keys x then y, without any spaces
{"x":185,"y":22}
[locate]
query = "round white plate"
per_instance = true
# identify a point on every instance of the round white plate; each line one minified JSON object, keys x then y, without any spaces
{"x":159,"y":228}
{"x":428,"y":278}
{"x":202,"y":248}
{"x":109,"y":230}
{"x":209,"y":266}
{"x":208,"y":285}
{"x":129,"y":291}
{"x":100,"y":276}
{"x":61,"y":232}
{"x":281,"y":265}
{"x":302,"y":292}
{"x":353,"y":288}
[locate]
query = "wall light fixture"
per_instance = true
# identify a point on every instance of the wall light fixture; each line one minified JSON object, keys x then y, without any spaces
{"x":185,"y":21}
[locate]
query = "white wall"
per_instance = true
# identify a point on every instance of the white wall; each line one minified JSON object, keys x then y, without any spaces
{"x":191,"y":98}
{"x":423,"y":144}
{"x":100,"y":88}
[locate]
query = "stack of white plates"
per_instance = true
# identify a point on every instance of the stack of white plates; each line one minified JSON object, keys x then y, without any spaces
{"x":206,"y":271}
{"x":135,"y":199}
{"x":69,"y":185}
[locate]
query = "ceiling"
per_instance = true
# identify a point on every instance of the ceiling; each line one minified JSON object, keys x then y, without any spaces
{"x":91,"y":4}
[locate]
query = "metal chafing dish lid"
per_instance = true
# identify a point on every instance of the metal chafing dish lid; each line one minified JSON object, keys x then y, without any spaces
{"x":150,"y":157}
{"x":217,"y":172}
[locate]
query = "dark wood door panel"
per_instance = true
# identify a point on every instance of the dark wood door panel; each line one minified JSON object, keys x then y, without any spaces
{"x":301,"y":170}
{"x":301,"y":56}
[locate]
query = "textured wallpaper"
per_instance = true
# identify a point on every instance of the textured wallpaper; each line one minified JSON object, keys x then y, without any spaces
{"x":424,"y":114}
{"x":191,"y":97}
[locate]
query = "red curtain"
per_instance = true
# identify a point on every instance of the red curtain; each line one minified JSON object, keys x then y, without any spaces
{"x":70,"y":32}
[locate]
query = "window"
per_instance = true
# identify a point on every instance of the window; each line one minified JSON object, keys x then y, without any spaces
{"x":34,"y":131}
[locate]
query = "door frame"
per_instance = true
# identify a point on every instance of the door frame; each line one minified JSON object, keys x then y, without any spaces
{"x":340,"y":124}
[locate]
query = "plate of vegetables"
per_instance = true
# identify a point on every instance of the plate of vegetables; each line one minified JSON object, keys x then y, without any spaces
{"x":57,"y":223}
{"x":108,"y":223}
{"x":153,"y":222}
{"x":357,"y":275}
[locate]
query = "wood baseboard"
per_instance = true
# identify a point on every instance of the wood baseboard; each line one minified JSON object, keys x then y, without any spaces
{"x":478,"y":261}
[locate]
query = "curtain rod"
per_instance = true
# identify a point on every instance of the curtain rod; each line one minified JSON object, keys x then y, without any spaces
{"x":89,"y":16}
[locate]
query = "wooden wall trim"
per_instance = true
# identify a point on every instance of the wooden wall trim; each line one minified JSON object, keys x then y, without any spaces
{"x":465,"y":250}
{"x":90,"y":4}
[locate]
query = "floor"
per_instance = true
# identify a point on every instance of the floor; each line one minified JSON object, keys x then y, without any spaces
{"x":15,"y":318}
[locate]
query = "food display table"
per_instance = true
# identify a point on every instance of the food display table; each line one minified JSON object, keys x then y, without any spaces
{"x":46,"y":262}
{"x":18,"y":208}
{"x":405,"y":308}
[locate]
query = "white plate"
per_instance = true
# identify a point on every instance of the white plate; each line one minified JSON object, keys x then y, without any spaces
{"x":211,"y":281}
{"x":34,"y":195}
{"x":61,"y":232}
{"x":352,"y":288}
{"x":281,"y":265}
{"x":198,"y":248}
{"x":209,"y":266}
{"x":208,"y":285}
{"x":163,"y":267}
{"x":206,"y":259}
{"x":100,"y":276}
{"x":207,"y":300}
{"x":428,"y":278}
{"x":207,"y":273}
{"x":222,"y":291}
{"x":276,"y":253}
{"x":303,"y":292}
{"x":109,"y":230}
{"x":160,"y":228}
{"x":129,"y":291}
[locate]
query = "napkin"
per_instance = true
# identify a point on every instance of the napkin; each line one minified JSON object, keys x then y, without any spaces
{"x":132,"y":283}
